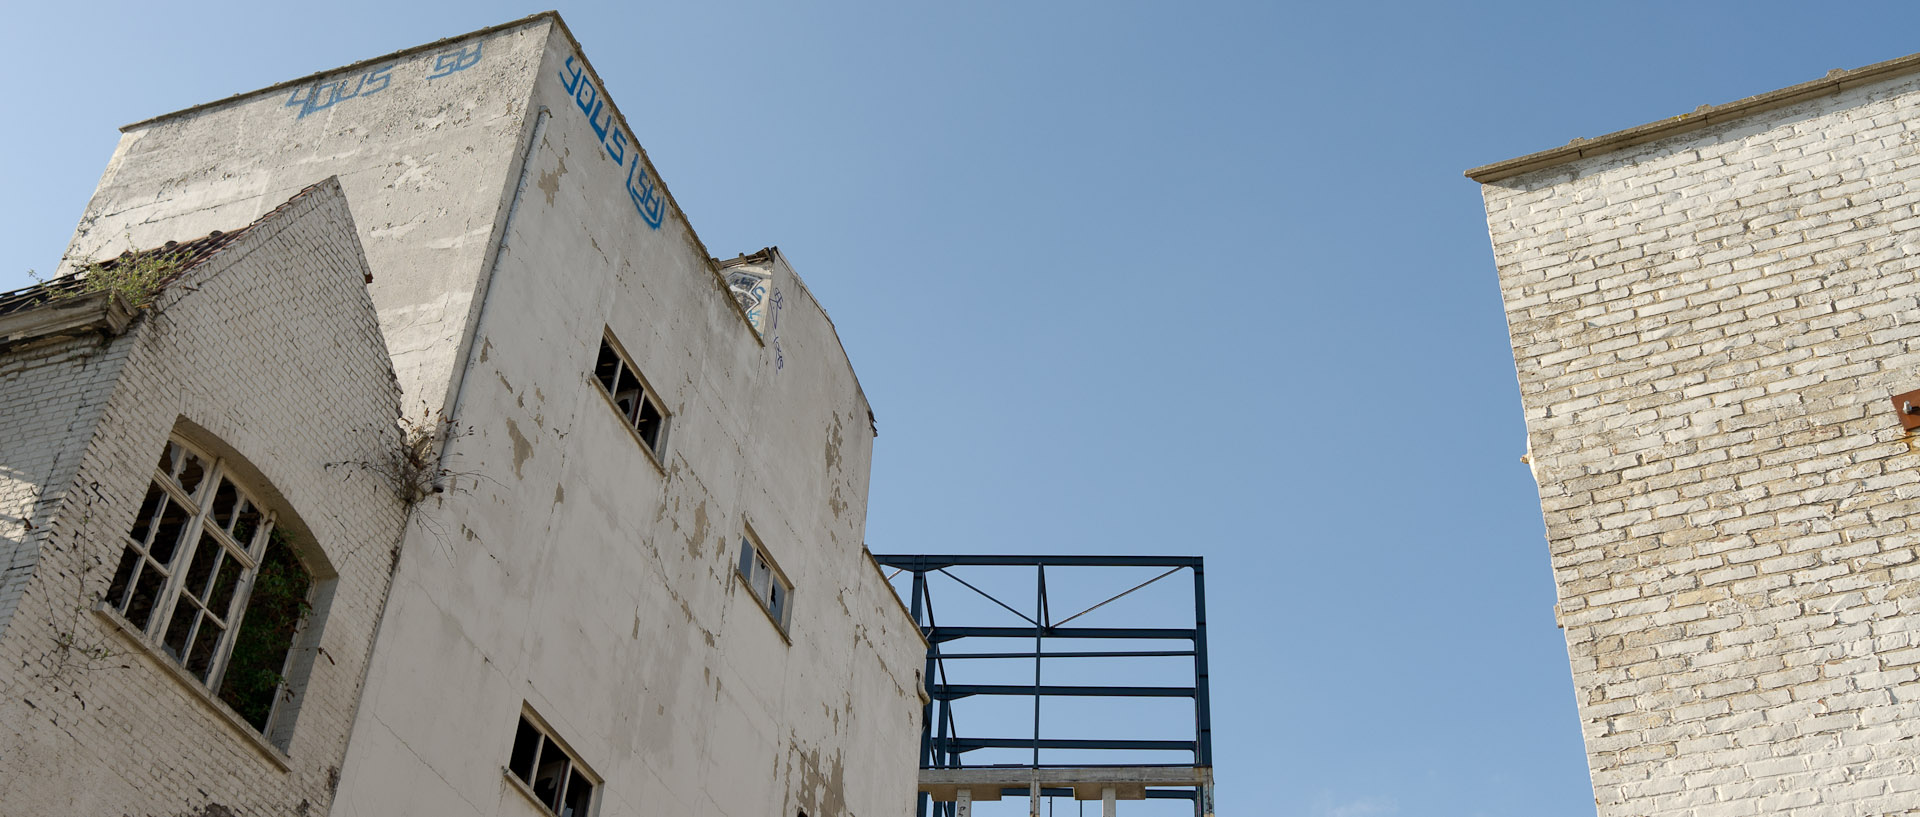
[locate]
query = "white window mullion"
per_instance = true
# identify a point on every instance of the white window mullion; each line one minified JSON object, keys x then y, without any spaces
{"x":224,"y":649}
{"x":176,"y":576}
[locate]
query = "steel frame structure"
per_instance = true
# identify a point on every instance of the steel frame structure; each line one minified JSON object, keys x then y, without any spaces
{"x":947,"y":786}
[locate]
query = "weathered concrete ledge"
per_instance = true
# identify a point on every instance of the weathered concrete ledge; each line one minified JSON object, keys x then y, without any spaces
{"x":103,"y":312}
{"x":1834,"y":82}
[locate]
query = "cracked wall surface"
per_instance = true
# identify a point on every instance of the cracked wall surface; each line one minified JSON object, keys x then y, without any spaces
{"x":1707,"y":329}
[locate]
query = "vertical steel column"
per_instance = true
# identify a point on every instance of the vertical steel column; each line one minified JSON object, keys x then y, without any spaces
{"x":1202,"y":710}
{"x":923,"y":800}
{"x":1039,"y":639}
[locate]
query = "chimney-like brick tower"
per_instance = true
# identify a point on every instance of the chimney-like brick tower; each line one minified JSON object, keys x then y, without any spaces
{"x":1709,"y":317}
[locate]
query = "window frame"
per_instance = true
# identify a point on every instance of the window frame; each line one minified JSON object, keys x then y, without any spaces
{"x":203,"y":528}
{"x":633,"y":419}
{"x":546,"y":738}
{"x":775,"y":595}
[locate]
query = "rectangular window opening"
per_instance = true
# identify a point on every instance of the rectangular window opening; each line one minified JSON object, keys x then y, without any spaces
{"x":550,"y":772}
{"x":770,"y":588}
{"x":637,"y":404}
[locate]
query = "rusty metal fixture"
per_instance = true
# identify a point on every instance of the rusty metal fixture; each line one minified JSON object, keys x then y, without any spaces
{"x":1907,"y":405}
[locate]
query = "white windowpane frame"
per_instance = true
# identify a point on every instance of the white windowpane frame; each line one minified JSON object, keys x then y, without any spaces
{"x":548,"y":771}
{"x":638,"y":405}
{"x":186,"y":581}
{"x":189,"y":561}
{"x":770,"y":587}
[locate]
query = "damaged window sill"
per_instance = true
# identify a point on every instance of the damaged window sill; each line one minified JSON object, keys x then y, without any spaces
{"x":762,"y":607}
{"x":525,"y":790}
{"x":224,"y":714}
{"x":631,"y":432}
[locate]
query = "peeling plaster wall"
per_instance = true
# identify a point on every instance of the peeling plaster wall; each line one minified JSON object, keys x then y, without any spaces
{"x":269,"y":352}
{"x":566,"y":571}
{"x":563,"y":569}
{"x":423,"y":142}
{"x":1707,"y":329}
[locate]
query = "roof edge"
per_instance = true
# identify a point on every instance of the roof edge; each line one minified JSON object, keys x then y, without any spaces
{"x":1705,"y":116}
{"x":317,"y":75}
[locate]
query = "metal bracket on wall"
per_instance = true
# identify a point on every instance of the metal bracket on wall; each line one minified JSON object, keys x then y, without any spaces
{"x":1907,"y":405}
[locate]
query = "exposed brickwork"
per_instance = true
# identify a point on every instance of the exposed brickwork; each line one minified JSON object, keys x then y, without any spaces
{"x":1707,"y":331}
{"x":271,"y":350}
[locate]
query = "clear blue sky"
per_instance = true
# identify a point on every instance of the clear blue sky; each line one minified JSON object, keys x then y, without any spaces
{"x":1117,"y":277}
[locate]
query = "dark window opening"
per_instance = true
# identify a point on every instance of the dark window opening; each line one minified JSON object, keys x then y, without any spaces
{"x":549,"y":771}
{"x":637,"y":404}
{"x":201,"y":558}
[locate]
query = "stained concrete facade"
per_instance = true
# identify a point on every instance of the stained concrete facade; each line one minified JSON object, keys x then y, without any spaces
{"x":1709,"y":315}
{"x":567,"y":567}
{"x":266,"y":354}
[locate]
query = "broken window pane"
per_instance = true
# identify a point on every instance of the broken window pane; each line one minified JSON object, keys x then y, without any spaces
{"x":276,"y":607}
{"x":579,"y":795}
{"x":181,"y":629}
{"x":648,"y":423}
{"x":607,"y":368}
{"x":640,"y":408}
{"x":526,"y":743}
{"x":167,"y":532}
{"x":219,"y":601}
{"x":191,"y":471}
{"x":552,"y":773}
{"x":205,"y":641}
{"x":226,"y":502}
{"x":151,"y":507}
{"x":627,"y":396}
{"x":772,"y":591}
{"x":189,"y":613}
{"x":122,"y":576}
{"x":146,"y":590}
{"x":200,"y":572}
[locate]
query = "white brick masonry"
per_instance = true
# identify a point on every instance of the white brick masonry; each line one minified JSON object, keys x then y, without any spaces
{"x":1707,"y":330}
{"x":269,"y":350}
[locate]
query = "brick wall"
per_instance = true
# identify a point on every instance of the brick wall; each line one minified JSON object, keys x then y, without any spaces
{"x":271,"y":351}
{"x":1707,"y":330}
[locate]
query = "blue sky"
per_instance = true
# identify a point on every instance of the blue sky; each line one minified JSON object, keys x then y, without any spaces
{"x":1117,"y":277}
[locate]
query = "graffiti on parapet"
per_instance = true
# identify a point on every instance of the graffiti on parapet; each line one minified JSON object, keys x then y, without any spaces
{"x":324,"y":95}
{"x":779,"y":356}
{"x":641,"y":187}
{"x":452,"y":61}
{"x":749,"y":288}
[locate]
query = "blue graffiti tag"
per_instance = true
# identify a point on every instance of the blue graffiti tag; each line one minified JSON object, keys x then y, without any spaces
{"x":779,"y":355}
{"x":452,"y":61}
{"x":641,"y":187}
{"x":328,"y":94}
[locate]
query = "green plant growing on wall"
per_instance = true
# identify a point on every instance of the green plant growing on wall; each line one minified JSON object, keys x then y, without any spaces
{"x":413,"y":467}
{"x":275,"y":610}
{"x":137,"y":277}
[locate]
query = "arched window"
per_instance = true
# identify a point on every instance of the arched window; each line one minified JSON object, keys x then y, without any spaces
{"x":210,"y":581}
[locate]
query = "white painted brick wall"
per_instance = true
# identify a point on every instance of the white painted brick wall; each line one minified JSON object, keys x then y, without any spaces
{"x":271,"y":347}
{"x":1707,"y":330}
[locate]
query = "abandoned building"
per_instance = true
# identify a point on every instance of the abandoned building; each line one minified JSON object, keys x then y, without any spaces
{"x":609,"y":561}
{"x":1716,"y":325}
